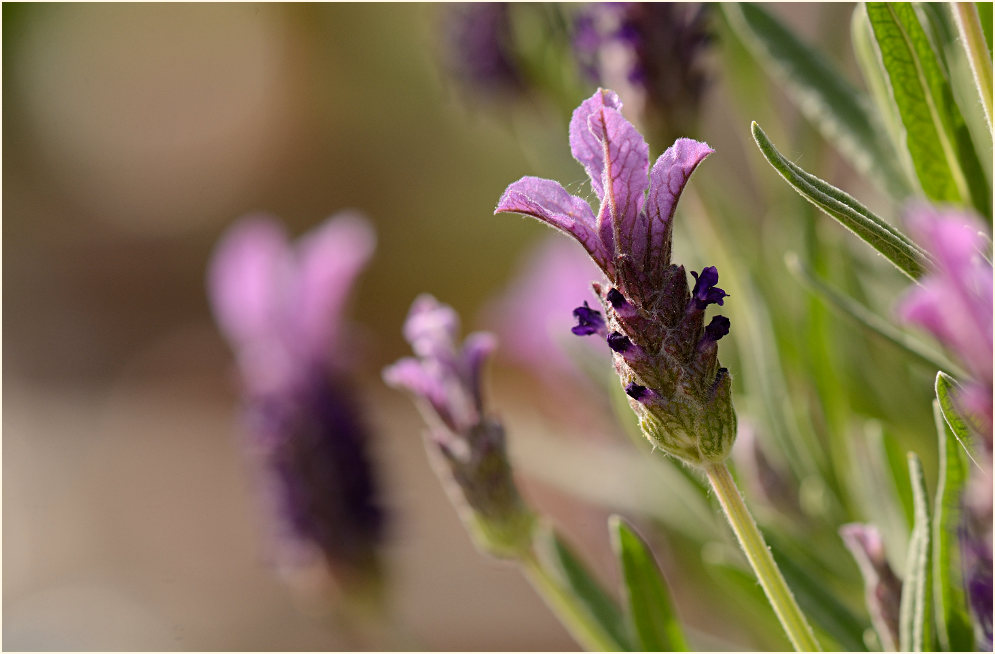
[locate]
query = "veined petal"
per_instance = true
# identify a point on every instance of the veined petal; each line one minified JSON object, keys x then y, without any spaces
{"x":584,"y":144}
{"x":549,"y":202}
{"x":328,"y":261}
{"x":625,"y":163}
{"x":668,"y":177}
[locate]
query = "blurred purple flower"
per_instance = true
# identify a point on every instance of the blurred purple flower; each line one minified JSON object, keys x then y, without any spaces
{"x":532,"y":316}
{"x":445,"y":379}
{"x":478,"y":49}
{"x":650,"y":52}
{"x":670,"y":360}
{"x":883,"y":588}
{"x":280,"y":307}
{"x":954,"y":302}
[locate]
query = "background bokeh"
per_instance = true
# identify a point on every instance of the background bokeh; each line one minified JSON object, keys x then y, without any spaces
{"x":133,"y":135}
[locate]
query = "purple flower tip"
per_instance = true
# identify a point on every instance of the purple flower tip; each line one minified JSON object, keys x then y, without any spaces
{"x":619,"y":342}
{"x":705,"y":290}
{"x":718,"y":328}
{"x":616,"y":298}
{"x":635,"y":391}
{"x":589,"y":321}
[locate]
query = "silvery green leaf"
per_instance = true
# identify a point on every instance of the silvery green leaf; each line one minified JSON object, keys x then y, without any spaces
{"x":954,"y":631}
{"x":887,"y":240}
{"x":916,"y":619}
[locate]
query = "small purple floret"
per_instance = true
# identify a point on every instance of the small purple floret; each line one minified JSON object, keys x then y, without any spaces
{"x":718,"y":328}
{"x":705,"y":290}
{"x":619,"y":342}
{"x":616,"y":298}
{"x":589,"y":321}
{"x":635,"y":391}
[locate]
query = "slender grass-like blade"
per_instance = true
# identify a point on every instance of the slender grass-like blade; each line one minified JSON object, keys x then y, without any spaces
{"x":839,"y":110}
{"x":953,"y":628}
{"x":916,"y":611}
{"x":650,"y":609}
{"x":887,"y":240}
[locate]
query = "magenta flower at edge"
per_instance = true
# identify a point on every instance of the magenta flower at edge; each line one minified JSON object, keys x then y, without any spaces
{"x":280,"y":307}
{"x":954,"y":302}
{"x":652,"y":321}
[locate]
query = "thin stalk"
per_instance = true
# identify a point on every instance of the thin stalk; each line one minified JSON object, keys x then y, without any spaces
{"x":565,"y":605}
{"x":973,"y":38}
{"x":757,"y":552}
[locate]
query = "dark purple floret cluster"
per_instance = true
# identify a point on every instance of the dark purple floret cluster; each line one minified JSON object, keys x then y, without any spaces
{"x":478,"y":47}
{"x":653,"y":322}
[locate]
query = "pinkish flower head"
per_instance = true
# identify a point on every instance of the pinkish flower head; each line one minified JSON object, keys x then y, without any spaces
{"x":954,"y":300}
{"x":280,"y":307}
{"x":444,"y":377}
{"x":653,"y":322}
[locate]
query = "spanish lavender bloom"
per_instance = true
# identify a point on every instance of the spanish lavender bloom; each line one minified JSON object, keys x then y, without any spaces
{"x":280,"y":308}
{"x":445,"y":378}
{"x":883,"y":588}
{"x":651,"y":53}
{"x":954,"y":302}
{"x":669,"y":366}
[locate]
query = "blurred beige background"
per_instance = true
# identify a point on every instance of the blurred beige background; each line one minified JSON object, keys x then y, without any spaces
{"x":133,"y":135}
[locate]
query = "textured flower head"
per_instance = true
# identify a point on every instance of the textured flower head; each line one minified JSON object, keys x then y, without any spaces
{"x":446,"y":379}
{"x":280,"y":307}
{"x":652,"y":321}
{"x":954,"y":301}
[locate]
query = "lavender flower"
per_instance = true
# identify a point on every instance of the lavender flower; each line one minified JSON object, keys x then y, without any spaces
{"x":651,"y":52}
{"x":954,"y":302}
{"x":478,"y":48}
{"x":669,"y":366}
{"x":280,"y":308}
{"x":446,"y":380}
{"x":883,"y":588}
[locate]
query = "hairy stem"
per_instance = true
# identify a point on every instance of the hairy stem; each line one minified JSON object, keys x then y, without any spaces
{"x":566,"y":607}
{"x":757,"y":552}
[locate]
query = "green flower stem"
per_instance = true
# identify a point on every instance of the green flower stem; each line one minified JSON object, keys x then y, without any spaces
{"x":756,"y":550}
{"x":566,"y":606}
{"x":971,"y":34}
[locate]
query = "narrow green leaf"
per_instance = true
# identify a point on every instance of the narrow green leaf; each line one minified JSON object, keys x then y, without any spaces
{"x":935,"y":131}
{"x":824,"y":96}
{"x":650,"y":608}
{"x":954,"y":631}
{"x":600,"y":611}
{"x":915,"y":626}
{"x":865,"y":317}
{"x":945,"y":389}
{"x":887,"y":240}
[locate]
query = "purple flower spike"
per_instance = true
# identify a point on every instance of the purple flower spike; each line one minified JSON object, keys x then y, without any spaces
{"x":446,"y":378}
{"x":655,"y":321}
{"x":280,"y":307}
{"x":589,"y":321}
{"x":705,"y":291}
